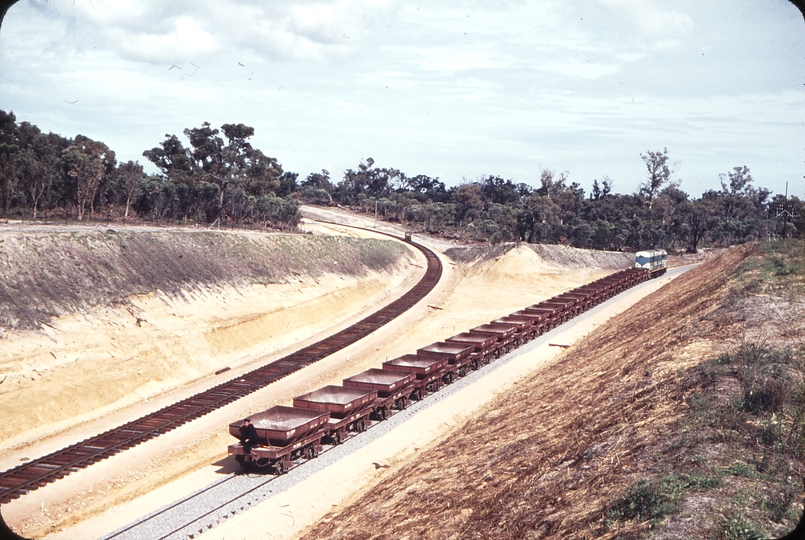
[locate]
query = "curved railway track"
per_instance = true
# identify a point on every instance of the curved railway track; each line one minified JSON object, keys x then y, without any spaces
{"x":39,"y":472}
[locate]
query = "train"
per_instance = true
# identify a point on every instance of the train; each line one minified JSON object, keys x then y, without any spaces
{"x":283,"y":436}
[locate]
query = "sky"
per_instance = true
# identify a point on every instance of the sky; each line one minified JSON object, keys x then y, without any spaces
{"x":454,"y":90}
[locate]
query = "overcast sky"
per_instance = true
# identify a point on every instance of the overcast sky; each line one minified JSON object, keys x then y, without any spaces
{"x":456,"y":90}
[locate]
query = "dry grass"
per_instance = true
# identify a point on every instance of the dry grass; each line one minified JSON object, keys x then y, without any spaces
{"x":606,"y":428}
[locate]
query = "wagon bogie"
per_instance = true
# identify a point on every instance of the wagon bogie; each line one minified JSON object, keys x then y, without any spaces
{"x":277,"y":458}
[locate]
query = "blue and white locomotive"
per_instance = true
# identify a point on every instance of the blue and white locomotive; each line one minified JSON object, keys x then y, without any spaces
{"x":653,"y":260}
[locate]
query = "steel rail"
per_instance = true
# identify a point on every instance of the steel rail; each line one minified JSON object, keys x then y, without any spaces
{"x":39,"y":472}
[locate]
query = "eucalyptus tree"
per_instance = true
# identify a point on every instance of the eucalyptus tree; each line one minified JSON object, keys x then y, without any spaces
{"x":658,"y":174}
{"x":86,"y":164}
{"x":223,"y":159}
{"x":130,"y":175}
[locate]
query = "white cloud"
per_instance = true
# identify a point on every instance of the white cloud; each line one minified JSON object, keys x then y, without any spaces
{"x":582,"y":70}
{"x":655,"y":26}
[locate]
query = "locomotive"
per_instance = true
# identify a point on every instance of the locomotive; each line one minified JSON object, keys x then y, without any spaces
{"x":287,"y":435}
{"x":654,"y":260}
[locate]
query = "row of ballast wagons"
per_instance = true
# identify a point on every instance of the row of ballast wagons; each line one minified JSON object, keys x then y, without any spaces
{"x":330,"y":414}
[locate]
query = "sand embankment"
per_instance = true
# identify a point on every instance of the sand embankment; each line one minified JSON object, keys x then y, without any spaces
{"x":96,"y":321}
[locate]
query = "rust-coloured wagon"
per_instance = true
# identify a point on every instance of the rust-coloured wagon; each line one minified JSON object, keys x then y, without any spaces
{"x":393,"y":388}
{"x":484,"y":345}
{"x":457,"y":354}
{"x":284,"y":434}
{"x":526,"y":327}
{"x":504,"y":333}
{"x":428,"y":371}
{"x":349,"y":408}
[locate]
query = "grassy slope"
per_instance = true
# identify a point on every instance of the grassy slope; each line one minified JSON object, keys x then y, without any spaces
{"x":45,"y":274}
{"x":651,"y":427}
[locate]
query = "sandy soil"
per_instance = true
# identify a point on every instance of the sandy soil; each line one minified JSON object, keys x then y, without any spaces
{"x":98,"y":500}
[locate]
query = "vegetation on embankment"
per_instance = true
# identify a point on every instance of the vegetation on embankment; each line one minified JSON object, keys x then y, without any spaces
{"x":681,"y":418}
{"x":46,"y":274}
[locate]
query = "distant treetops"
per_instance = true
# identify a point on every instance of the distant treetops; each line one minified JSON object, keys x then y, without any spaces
{"x":218,"y":177}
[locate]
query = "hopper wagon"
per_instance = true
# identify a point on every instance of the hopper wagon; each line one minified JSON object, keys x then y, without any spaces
{"x":458,"y":357}
{"x":523,"y":328}
{"x":393,"y":389}
{"x":428,"y":372}
{"x":504,"y":334}
{"x":483,"y":346}
{"x":349,"y":409}
{"x":559,"y":310}
{"x":541,"y":320}
{"x":284,"y":435}
{"x":551,"y":317}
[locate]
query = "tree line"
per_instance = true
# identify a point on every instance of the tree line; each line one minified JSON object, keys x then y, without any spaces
{"x":217,"y":177}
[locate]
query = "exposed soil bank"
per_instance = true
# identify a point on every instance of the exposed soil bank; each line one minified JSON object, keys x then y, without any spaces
{"x":216,"y":300}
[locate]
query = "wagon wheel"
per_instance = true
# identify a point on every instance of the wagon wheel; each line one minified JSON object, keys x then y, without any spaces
{"x":310,"y":452}
{"x":337,"y":437}
{"x":279,"y":467}
{"x":381,"y":413}
{"x":360,"y":426}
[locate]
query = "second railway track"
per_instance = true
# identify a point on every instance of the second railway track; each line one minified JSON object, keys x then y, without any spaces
{"x":39,"y":472}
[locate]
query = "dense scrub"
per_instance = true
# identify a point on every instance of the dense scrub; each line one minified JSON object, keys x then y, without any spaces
{"x":216,"y":176}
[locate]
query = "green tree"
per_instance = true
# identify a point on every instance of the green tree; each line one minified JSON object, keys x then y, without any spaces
{"x":317,"y":188}
{"x":241,"y":172}
{"x":538,"y":220}
{"x":368,"y":182}
{"x":130,"y":175}
{"x":468,"y":202}
{"x":9,"y":162}
{"x":86,"y":163}
{"x":425,"y":188}
{"x":499,"y":191}
{"x":658,"y":174}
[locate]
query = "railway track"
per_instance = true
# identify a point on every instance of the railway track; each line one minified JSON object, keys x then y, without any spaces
{"x":216,"y":503}
{"x":39,"y":472}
